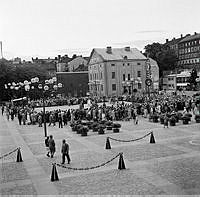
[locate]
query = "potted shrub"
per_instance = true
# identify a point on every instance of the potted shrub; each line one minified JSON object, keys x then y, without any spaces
{"x":101,"y":128}
{"x":84,"y":130}
{"x":172,"y":121}
{"x":94,"y":126}
{"x":109,"y":125}
{"x":197,"y":118}
{"x":188,"y":115}
{"x":116,"y":127}
{"x":79,"y":127}
{"x":185,"y":119}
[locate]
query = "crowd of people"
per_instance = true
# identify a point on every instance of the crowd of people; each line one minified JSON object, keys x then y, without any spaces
{"x":115,"y":111}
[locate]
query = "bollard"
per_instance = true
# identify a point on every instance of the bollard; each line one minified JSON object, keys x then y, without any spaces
{"x":152,"y":139}
{"x":121,"y":164}
{"x":19,"y":156}
{"x":54,"y":174}
{"x":108,"y":143}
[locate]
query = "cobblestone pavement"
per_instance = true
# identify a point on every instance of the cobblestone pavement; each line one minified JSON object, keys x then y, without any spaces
{"x":171,"y":166}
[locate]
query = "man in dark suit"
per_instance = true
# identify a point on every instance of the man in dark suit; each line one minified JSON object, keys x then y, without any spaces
{"x":65,"y":152}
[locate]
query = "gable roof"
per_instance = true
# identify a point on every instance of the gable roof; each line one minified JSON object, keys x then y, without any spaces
{"x":120,"y":53}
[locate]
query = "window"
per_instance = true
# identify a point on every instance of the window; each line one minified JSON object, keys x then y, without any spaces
{"x":128,"y":64}
{"x":90,"y":76}
{"x":101,"y":87}
{"x":138,"y":63}
{"x":101,"y":75}
{"x":112,"y":64}
{"x":114,"y":87}
{"x":124,"y":77}
{"x":113,"y":75}
{"x":129,"y":77}
{"x":139,"y":73}
{"x":123,"y":64}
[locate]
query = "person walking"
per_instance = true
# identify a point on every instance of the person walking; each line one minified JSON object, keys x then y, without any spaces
{"x":46,"y":141}
{"x":52,"y":146}
{"x":65,"y":152}
{"x":60,"y":125}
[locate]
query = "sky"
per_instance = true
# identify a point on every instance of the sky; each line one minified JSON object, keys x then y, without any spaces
{"x":47,"y":28}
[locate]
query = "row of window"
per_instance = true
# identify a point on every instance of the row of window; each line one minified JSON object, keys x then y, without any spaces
{"x":189,"y":50}
{"x":99,"y":76}
{"x":195,"y":42}
{"x":190,"y":61}
{"x":186,"y":56}
{"x":128,"y":64}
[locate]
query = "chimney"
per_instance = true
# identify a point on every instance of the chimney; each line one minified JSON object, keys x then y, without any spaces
{"x":195,"y":33}
{"x":174,"y":38}
{"x":59,"y":56}
{"x":127,"y":49}
{"x":167,"y":40}
{"x":181,"y":35}
{"x":109,"y":50}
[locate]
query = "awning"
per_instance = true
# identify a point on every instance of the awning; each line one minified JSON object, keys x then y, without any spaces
{"x":182,"y":84}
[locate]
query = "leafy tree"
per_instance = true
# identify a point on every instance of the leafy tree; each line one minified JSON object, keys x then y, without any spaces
{"x":11,"y":73}
{"x":192,"y":79}
{"x":166,"y":58}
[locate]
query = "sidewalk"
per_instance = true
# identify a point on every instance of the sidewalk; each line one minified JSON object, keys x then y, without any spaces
{"x":171,"y":166}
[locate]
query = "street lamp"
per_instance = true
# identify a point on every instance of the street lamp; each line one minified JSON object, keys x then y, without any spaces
{"x":44,"y":87}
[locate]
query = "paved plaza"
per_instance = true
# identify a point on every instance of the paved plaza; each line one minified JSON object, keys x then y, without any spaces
{"x":171,"y":166}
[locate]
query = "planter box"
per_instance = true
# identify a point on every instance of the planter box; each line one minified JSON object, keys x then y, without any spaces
{"x":155,"y":119}
{"x":197,"y":120}
{"x":84,"y":134}
{"x":185,"y":121}
{"x":172,"y":123}
{"x":115,"y":130}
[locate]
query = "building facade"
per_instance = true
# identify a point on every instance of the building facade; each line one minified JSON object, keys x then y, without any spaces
{"x":75,"y":84}
{"x":189,"y":52}
{"x":174,"y":82}
{"x":74,"y":64}
{"x":113,"y":70}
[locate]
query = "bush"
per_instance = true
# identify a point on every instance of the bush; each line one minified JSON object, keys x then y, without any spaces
{"x":84,"y":130}
{"x":197,"y":118}
{"x":101,"y":128}
{"x":116,"y":125}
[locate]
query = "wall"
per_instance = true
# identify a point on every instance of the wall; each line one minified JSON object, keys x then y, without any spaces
{"x":74,"y":83}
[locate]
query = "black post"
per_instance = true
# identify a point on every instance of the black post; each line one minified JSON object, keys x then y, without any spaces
{"x":44,"y":116}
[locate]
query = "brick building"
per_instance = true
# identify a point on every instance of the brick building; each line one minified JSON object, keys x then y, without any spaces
{"x":75,"y":84}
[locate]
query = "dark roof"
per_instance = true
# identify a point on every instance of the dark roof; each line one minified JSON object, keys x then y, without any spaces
{"x":192,"y":37}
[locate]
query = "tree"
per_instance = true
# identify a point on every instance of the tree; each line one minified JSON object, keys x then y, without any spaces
{"x":192,"y":79}
{"x":10,"y":73}
{"x":166,"y":58}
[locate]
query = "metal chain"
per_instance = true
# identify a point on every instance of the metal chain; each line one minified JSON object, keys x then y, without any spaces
{"x":8,"y":153}
{"x":89,"y":168}
{"x":130,"y":140}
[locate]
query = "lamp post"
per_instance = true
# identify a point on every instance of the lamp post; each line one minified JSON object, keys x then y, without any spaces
{"x":33,"y":85}
{"x":44,"y":87}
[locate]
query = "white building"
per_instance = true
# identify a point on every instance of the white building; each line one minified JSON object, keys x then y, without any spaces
{"x":112,"y":70}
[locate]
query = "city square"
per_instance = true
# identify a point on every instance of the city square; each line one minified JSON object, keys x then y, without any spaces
{"x":168,"y":167}
{"x":99,"y":97}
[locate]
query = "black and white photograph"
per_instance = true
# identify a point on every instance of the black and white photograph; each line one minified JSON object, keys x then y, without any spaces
{"x":99,"y":97}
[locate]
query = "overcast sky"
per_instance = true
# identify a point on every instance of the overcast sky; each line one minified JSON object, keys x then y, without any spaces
{"x":46,"y":28}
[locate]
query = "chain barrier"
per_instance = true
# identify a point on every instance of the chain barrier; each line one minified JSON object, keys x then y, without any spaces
{"x":131,"y":140}
{"x":98,"y":166}
{"x":9,"y":153}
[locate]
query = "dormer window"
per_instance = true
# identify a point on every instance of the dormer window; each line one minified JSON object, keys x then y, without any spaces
{"x":125,"y":57}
